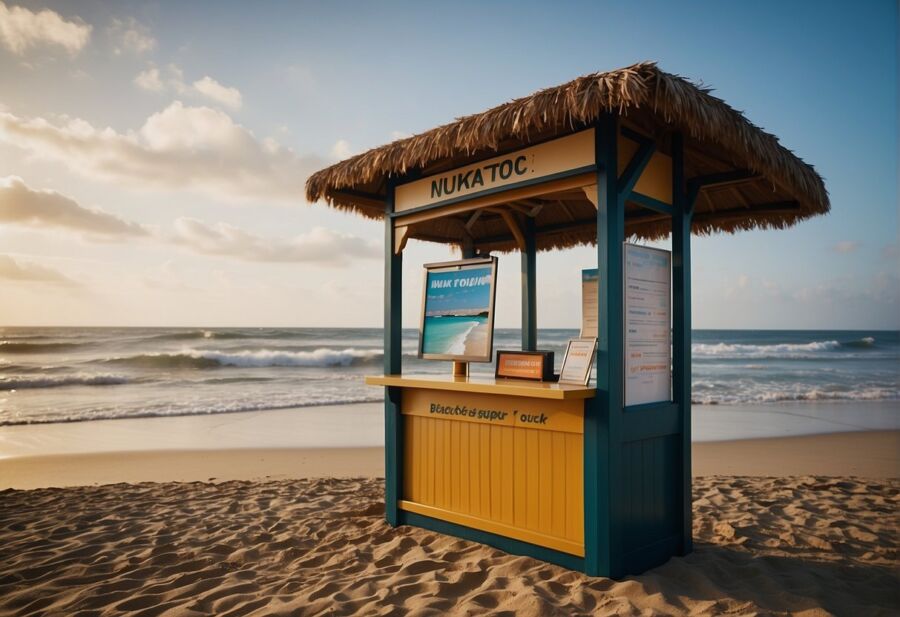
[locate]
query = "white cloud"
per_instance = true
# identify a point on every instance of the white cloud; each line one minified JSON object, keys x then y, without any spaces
{"x":149,"y":79}
{"x":342,"y":150}
{"x":152,"y":79}
{"x":181,"y":147}
{"x":319,"y":245}
{"x":22,"y":205}
{"x":129,"y":35}
{"x":209,"y":87}
{"x":22,"y":29}
{"x":14,"y":270}
{"x":845,"y":246}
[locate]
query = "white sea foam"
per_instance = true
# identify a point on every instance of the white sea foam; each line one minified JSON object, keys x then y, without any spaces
{"x":458,"y":348}
{"x":322,"y":357}
{"x":710,"y":394}
{"x":783,"y":350}
{"x":199,"y":408}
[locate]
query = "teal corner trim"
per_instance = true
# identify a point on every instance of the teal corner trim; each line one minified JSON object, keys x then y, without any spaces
{"x":393,"y":449}
{"x":393,"y":421}
{"x":515,"y":547}
{"x":603,"y":414}
{"x":683,"y":199}
{"x":529,"y":288}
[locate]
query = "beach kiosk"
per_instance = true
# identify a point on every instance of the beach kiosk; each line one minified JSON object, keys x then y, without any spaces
{"x":595,"y":484}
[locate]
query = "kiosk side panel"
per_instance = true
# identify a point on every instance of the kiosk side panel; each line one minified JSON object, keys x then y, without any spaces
{"x":651,"y":522}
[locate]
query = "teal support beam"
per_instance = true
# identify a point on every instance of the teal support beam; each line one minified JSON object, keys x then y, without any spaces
{"x":393,"y":332}
{"x":636,"y":166}
{"x":650,"y":203}
{"x":683,"y":203}
{"x":529,"y":288}
{"x":603,"y":499}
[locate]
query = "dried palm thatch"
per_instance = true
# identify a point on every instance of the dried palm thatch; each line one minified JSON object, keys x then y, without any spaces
{"x":779,"y":190}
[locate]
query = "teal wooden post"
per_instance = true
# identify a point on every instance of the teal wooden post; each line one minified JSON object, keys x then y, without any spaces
{"x":467,"y":247}
{"x":681,"y":326}
{"x":393,"y":428}
{"x":529,"y":289}
{"x":603,"y":414}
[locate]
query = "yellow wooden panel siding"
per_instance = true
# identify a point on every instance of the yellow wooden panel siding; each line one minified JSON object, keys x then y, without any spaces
{"x":528,"y":480}
{"x":575,"y":491}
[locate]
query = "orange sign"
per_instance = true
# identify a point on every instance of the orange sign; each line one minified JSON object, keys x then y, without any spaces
{"x":521,"y":365}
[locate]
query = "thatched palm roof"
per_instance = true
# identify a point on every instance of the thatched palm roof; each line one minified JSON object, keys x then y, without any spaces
{"x":778,"y":188}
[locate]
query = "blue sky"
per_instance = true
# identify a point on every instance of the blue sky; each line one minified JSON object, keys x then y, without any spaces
{"x":456,"y":297}
{"x":193,"y":125}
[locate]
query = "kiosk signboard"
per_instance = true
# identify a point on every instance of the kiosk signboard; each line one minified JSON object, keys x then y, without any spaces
{"x":540,"y":162}
{"x":648,"y":356}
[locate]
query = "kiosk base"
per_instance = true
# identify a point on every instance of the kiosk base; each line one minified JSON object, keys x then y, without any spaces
{"x":509,"y":545}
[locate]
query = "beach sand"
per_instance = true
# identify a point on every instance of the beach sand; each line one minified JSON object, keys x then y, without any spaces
{"x":796,"y":545}
{"x":865,"y":454}
{"x":797,"y":525}
{"x":476,"y":341}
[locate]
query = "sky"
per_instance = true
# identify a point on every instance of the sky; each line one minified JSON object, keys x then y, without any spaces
{"x":153,"y":154}
{"x":465,"y":289}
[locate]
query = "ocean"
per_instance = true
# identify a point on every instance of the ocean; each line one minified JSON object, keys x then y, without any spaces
{"x":81,"y":374}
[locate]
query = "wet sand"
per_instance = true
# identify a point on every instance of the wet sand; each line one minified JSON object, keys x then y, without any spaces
{"x":476,"y":340}
{"x":871,"y":454}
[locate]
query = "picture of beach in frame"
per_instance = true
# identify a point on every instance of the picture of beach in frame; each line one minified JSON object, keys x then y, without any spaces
{"x":457,"y":315}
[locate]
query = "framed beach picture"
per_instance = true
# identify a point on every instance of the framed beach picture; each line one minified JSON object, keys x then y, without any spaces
{"x":458,"y":310}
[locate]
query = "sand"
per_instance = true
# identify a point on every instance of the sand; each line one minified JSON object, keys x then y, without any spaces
{"x":764,"y":546}
{"x":868,"y":454}
{"x":476,"y":341}
{"x":797,"y":525}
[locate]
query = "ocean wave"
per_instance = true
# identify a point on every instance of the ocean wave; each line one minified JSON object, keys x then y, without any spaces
{"x":814,"y":349}
{"x":56,"y":381}
{"x":713,"y":396}
{"x":866,"y":341}
{"x":198,"y":358}
{"x":20,"y":347}
{"x":194,"y":335}
{"x":201,"y":409}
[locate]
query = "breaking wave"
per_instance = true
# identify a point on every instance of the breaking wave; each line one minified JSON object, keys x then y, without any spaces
{"x":815,"y":349}
{"x":200,"y":409}
{"x":192,"y":358}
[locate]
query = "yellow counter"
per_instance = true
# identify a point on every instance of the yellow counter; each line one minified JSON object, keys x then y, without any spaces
{"x":501,"y":456}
